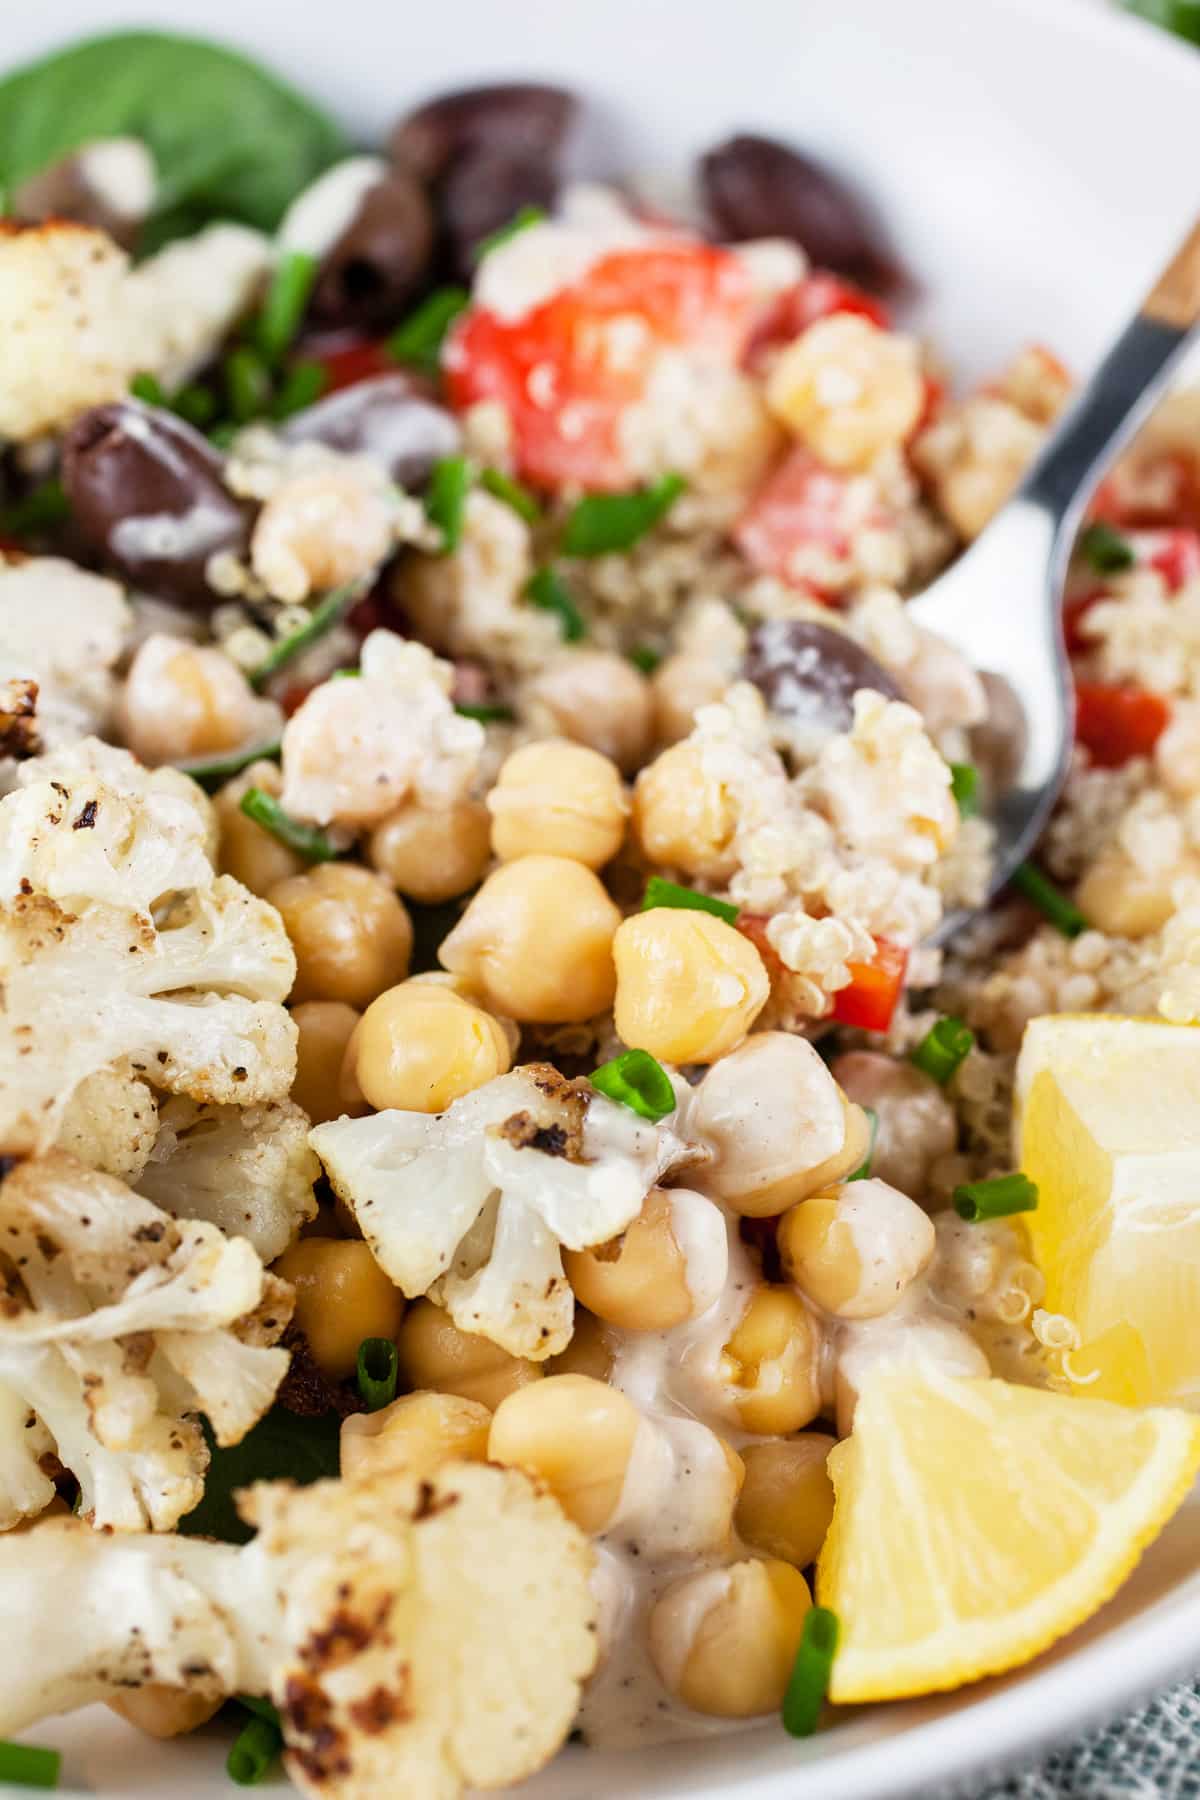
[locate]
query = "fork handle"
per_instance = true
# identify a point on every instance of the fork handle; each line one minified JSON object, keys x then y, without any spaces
{"x":1123,"y":390}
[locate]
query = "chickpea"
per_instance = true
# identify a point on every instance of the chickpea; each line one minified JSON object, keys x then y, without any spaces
{"x":847,"y":389}
{"x":342,"y":1297}
{"x":689,"y":986}
{"x":180,"y":700}
{"x":590,"y":1351}
{"x":325,"y":1028}
{"x":724,"y":1641}
{"x":786,"y":1502}
{"x":917,"y":1125}
{"x":771,"y":1364}
{"x":421,"y":1046}
{"x":537,"y":942}
{"x":779,"y":1124}
{"x":638,"y":1281}
{"x":560,"y":798}
{"x":576,"y":1435}
{"x":684,"y":815}
{"x":415,"y":1435}
{"x":432,"y":854}
{"x":351,"y":935}
{"x":247,"y":852}
{"x":1118,"y":897}
{"x":319,"y":531}
{"x":165,"y":1712}
{"x":854,"y":1251}
{"x":435,"y":1354}
{"x":595,"y":697}
{"x":682,"y":684}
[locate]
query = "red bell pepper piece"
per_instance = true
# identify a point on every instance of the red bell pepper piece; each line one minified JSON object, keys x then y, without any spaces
{"x":801,"y":506}
{"x":1116,"y":723}
{"x":874,"y":990}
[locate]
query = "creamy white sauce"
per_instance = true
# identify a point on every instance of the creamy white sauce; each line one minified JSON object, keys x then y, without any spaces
{"x":317,"y":218}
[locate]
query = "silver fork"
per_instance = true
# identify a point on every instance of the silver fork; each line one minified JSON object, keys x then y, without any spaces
{"x":1001,"y":603}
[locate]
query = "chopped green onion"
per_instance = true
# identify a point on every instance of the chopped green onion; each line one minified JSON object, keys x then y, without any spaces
{"x":376,"y":1372}
{"x":603,"y":522}
{"x":943,"y":1049}
{"x":863,"y":1171}
{"x":998,"y":1198}
{"x":28,"y":1765}
{"x":446,"y":500}
{"x":322,"y":619}
{"x":1105,"y":550}
{"x":196,"y":404}
{"x":303,"y":384}
{"x":637,"y":1081}
{"x":487,"y":715}
{"x":253,"y":1751}
{"x":549,"y":591}
{"x":283,"y":308}
{"x":305,"y":840}
{"x":1180,"y":16}
{"x":503,"y":487}
{"x":212,"y":771}
{"x":263,"y":1708}
{"x":809,"y":1680}
{"x":223,"y":434}
{"x":247,"y":385}
{"x":1041,"y":891}
{"x":964,"y":785}
{"x":346,"y":675}
{"x":521,"y":220}
{"x":645,"y":658}
{"x":148,"y":388}
{"x":669,"y":893}
{"x":418,"y":339}
{"x":44,"y":506}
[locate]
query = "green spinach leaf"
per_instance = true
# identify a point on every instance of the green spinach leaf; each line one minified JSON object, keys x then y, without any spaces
{"x":283,"y":1446}
{"x":230,"y":141}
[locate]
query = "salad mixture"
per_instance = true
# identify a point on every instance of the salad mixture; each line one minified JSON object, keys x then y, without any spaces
{"x":497,"y":1183}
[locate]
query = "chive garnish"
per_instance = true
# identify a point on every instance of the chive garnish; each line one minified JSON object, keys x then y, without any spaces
{"x":943,"y":1049}
{"x":149,"y":389}
{"x":305,"y":840}
{"x":247,"y":385}
{"x":323,"y":617}
{"x":669,"y":893}
{"x":636,"y":1080}
{"x":645,"y":657}
{"x":253,"y":1751}
{"x":964,"y":785}
{"x":29,"y":1765}
{"x":1105,"y":550}
{"x":521,"y":220}
{"x":196,"y":404}
{"x":1042,"y":893}
{"x":376,"y":1371}
{"x":303,"y":384}
{"x":548,"y":590}
{"x":283,"y":308}
{"x":998,"y":1198}
{"x":42,"y":507}
{"x":503,"y":487}
{"x":600,"y":523}
{"x":418,"y":339}
{"x":254,"y":1703}
{"x":809,"y":1680}
{"x":223,"y":433}
{"x":212,"y":771}
{"x":494,"y":714}
{"x":446,"y":500}
{"x":863,"y":1171}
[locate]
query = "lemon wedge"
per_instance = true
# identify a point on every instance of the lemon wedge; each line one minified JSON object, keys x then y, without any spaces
{"x":1108,"y":1121}
{"x":977,"y":1521}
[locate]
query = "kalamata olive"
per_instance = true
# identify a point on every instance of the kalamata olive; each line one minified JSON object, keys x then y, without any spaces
{"x":386,"y":418}
{"x":521,"y":119}
{"x":756,"y":187}
{"x":481,"y":192}
{"x":380,"y":260}
{"x":808,"y":674}
{"x":147,"y":499}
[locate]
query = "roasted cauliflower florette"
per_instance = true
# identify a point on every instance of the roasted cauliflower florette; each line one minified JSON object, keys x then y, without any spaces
{"x":117,"y":1327}
{"x":475,"y":1205}
{"x":418,"y":1636}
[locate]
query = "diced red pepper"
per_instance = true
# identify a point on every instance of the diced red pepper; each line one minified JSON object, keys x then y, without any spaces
{"x":1174,"y":552}
{"x":1117,"y":723}
{"x":874,"y":990}
{"x":802,"y":506}
{"x":350,"y":361}
{"x":567,"y":371}
{"x":1162,"y":490}
{"x":796,"y":308}
{"x":1075,"y":610}
{"x":754,"y":926}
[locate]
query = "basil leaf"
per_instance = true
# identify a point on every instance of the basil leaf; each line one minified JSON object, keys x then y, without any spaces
{"x":229,"y":140}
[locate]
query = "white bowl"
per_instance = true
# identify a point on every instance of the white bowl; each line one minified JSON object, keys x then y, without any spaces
{"x":1037,"y":160}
